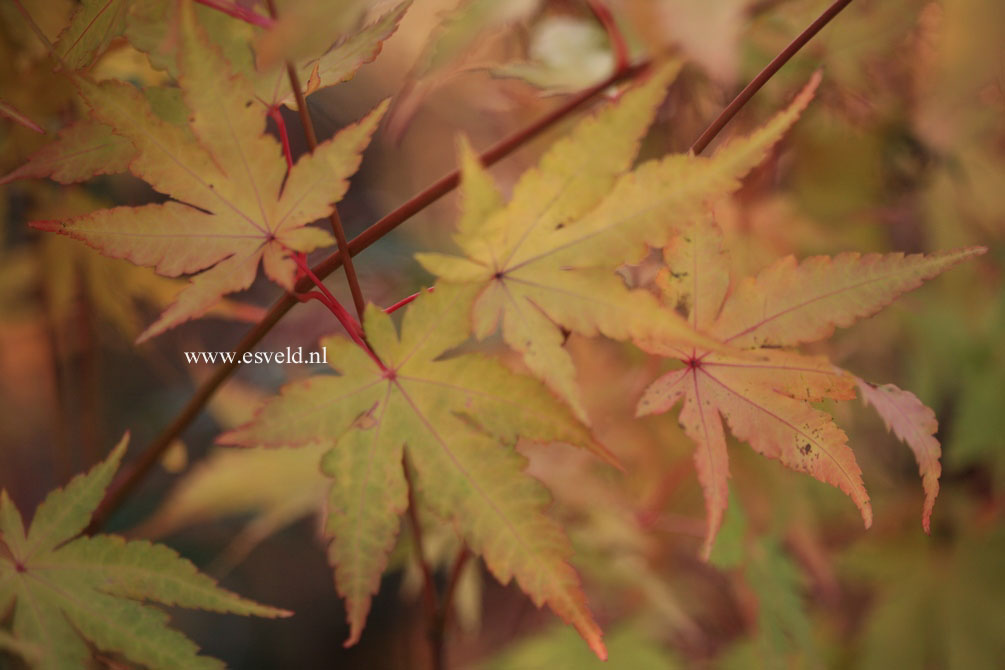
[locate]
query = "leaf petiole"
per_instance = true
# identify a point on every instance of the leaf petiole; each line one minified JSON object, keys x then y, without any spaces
{"x":238,"y":12}
{"x":276,"y":115}
{"x":325,"y":297}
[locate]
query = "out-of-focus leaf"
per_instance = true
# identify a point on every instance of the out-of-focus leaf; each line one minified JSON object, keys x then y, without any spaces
{"x":335,"y":65}
{"x":93,"y":26}
{"x":729,"y":549}
{"x":934,"y":605}
{"x":304,"y":29}
{"x":469,"y":24}
{"x":566,"y":54}
{"x":783,"y":625}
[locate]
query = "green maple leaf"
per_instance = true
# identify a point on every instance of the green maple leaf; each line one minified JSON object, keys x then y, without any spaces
{"x":68,"y":590}
{"x":457,"y":420}
{"x":234,"y":204}
{"x":546,"y":261}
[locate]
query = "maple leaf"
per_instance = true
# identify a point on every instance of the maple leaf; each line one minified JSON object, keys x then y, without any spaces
{"x":456,"y":419}
{"x":67,"y":588}
{"x":767,"y":400}
{"x":232,"y":208}
{"x":547,"y":260}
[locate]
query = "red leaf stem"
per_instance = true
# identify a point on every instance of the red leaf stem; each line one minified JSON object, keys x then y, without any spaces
{"x":238,"y":12}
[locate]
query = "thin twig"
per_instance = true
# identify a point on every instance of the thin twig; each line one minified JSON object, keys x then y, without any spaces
{"x":312,"y":144}
{"x":764,"y":75}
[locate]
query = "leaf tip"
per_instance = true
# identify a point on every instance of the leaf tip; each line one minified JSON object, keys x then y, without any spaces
{"x":354,"y":634}
{"x":119,"y":450}
{"x":597,"y":645}
{"x":706,"y":548}
{"x":47,"y":226}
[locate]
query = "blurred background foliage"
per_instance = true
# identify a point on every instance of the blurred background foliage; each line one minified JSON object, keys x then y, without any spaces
{"x":903,"y":149}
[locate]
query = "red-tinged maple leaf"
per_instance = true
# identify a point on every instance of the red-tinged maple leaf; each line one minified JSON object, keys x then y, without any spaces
{"x":766,"y":400}
{"x":232,"y":207}
{"x":457,"y":419}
